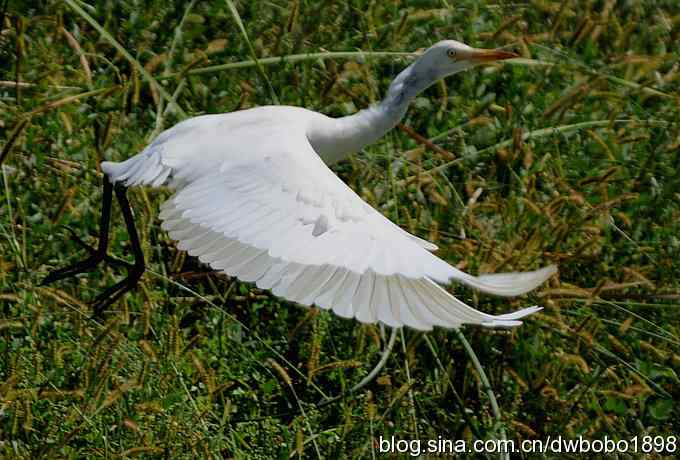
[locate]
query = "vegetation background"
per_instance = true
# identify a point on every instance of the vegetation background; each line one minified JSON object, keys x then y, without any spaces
{"x":572,"y":160}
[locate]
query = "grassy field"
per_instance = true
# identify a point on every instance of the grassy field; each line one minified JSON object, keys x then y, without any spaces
{"x":569,"y":158}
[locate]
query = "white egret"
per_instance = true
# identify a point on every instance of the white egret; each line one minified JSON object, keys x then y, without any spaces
{"x":255,"y":199}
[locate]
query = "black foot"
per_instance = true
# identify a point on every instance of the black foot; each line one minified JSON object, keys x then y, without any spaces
{"x":72,"y":270}
{"x":112,"y":293}
{"x":79,"y":267}
{"x":98,"y":254}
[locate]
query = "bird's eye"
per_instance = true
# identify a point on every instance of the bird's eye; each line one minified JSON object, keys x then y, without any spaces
{"x":451,"y":53}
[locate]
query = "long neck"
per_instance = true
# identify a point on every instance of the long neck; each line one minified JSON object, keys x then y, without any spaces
{"x":337,"y":138}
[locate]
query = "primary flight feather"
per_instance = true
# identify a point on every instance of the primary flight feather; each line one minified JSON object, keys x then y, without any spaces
{"x":255,"y":198}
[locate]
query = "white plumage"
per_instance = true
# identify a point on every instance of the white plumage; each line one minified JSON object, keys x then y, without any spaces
{"x":255,"y":199}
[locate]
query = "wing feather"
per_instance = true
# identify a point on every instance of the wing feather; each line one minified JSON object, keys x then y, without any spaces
{"x":381,"y":303}
{"x":273,"y":275}
{"x":281,"y":219}
{"x":320,"y":283}
{"x":255,"y":268}
{"x":363,"y":298}
{"x":343,"y":300}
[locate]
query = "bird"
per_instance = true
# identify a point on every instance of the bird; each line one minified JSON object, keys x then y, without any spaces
{"x":255,"y":198}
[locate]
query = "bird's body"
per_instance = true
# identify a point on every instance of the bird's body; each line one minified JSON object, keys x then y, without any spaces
{"x":255,"y":199}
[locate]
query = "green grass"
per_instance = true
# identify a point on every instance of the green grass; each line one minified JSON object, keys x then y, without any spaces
{"x":571,"y":160}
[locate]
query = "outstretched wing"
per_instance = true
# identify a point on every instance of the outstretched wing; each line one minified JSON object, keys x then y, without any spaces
{"x":279,"y":217}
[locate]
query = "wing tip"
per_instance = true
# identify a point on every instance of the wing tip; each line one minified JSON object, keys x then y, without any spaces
{"x":498,"y":323}
{"x":511,"y":319}
{"x":548,"y":270}
{"x":512,"y":284}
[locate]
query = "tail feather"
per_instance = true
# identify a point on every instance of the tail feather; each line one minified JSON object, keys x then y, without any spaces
{"x":145,"y":168}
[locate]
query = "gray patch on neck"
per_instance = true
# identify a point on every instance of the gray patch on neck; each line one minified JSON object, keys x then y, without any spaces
{"x":411,"y":80}
{"x":403,"y":90}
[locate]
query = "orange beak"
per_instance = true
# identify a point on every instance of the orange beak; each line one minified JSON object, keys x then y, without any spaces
{"x":483,"y":56}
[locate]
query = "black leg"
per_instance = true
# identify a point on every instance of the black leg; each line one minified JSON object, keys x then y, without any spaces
{"x":135,"y":272}
{"x":112,"y":293}
{"x":111,"y":260}
{"x":132,"y":231}
{"x":96,"y":255}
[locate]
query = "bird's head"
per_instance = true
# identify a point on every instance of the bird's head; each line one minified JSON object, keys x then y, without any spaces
{"x":449,"y":56}
{"x":436,"y":62}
